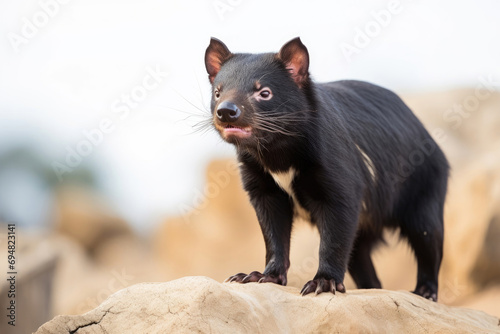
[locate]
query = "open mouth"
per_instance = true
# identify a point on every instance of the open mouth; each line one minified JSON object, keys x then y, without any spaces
{"x":236,"y":131}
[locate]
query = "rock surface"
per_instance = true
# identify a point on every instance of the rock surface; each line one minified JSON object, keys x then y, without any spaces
{"x":202,"y":305}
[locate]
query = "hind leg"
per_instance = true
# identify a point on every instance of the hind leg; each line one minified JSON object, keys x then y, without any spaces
{"x":360,"y":265}
{"x":424,"y":232}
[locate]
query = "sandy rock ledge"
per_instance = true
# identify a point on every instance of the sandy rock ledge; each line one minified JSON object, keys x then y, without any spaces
{"x":202,"y":305}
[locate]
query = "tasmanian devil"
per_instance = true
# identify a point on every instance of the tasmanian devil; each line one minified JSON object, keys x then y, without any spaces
{"x":348,"y":156}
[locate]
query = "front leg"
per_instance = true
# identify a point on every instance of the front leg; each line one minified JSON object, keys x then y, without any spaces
{"x":275,"y":214}
{"x":335,"y":245}
{"x":335,"y":211}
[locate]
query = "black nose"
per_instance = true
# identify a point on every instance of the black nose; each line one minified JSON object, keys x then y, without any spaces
{"x":228,"y":112}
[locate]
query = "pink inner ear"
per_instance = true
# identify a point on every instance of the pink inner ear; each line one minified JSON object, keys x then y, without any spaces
{"x":214,"y":65}
{"x":296,"y":68}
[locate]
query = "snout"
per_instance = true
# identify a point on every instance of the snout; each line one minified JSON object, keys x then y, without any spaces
{"x":231,"y":122}
{"x":228,"y":112}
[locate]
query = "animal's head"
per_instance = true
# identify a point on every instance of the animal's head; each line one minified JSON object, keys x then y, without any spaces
{"x":258,"y":99}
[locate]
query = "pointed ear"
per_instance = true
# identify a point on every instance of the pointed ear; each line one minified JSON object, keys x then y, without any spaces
{"x":296,"y":59}
{"x":217,"y":53}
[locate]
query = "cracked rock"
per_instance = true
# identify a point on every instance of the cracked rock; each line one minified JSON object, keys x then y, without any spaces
{"x":202,"y":305}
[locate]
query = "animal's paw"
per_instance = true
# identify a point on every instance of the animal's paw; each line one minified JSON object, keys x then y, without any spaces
{"x":319,"y":285}
{"x":256,"y":276}
{"x":428,"y":291}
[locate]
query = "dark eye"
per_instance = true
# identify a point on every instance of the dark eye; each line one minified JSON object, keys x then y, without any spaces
{"x":217,"y":94}
{"x":265,"y":94}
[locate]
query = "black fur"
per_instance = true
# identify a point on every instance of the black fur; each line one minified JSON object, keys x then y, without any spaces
{"x":363,"y":163}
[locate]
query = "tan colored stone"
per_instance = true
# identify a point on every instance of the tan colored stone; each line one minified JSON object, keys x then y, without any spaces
{"x":85,"y":217}
{"x":202,"y":305}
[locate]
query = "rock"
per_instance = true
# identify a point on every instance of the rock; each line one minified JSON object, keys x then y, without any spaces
{"x":76,"y":268}
{"x":96,"y":280}
{"x":487,"y":268}
{"x":486,"y":300}
{"x":468,"y":129}
{"x":200,"y":304}
{"x":471,"y":249}
{"x":84,"y":216}
{"x":30,"y":288}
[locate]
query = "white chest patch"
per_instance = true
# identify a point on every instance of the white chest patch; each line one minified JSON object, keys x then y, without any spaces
{"x":285,"y":180}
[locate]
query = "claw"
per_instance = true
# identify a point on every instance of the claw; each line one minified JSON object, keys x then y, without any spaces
{"x":320,"y":285}
{"x":427,"y":291}
{"x":308,"y":288}
{"x":235,"y":278}
{"x":256,"y":276}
